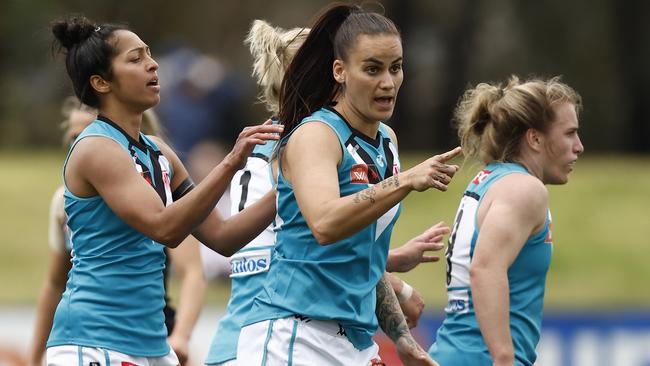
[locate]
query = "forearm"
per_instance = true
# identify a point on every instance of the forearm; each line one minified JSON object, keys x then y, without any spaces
{"x":389,"y":314}
{"x":47,"y":303}
{"x":178,"y":220}
{"x":490,"y":293}
{"x":345,"y":216}
{"x":192,"y":291}
{"x":228,"y":236}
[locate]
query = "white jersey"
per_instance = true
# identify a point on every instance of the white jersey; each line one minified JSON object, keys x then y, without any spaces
{"x":250,"y":264}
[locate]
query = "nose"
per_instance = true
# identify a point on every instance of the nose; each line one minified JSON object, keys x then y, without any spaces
{"x":152,"y":65}
{"x":578,"y":147}
{"x":386,"y":82}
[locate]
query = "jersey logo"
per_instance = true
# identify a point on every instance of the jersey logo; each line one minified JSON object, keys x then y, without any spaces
{"x":250,"y":262}
{"x":395,"y":169}
{"x":480,"y":177}
{"x":127,"y":363}
{"x":364,"y":174}
{"x":359,"y":174}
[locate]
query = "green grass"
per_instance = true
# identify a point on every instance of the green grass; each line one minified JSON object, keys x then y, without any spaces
{"x":601,"y":229}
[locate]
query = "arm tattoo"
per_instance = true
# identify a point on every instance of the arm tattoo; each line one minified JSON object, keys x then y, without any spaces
{"x":390,"y":316}
{"x":367,"y":194}
{"x":390,"y":181}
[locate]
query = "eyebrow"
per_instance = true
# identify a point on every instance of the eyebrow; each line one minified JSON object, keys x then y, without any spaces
{"x":379,"y":62}
{"x":138,"y":49}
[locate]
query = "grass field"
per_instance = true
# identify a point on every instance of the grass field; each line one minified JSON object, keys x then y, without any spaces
{"x":601,"y":231}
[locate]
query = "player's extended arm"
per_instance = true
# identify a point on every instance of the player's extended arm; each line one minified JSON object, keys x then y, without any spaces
{"x":310,"y":160}
{"x":517,"y":209}
{"x":392,"y":322}
{"x":112,"y":176}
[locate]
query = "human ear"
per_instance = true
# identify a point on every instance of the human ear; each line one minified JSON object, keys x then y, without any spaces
{"x":99,"y":84}
{"x":338,"y":71}
{"x":534,"y":139}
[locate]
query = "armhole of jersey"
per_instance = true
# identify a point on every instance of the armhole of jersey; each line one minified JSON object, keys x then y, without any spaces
{"x":65,"y":164}
{"x":285,"y":140}
{"x":544,"y":230}
{"x":480,"y":200}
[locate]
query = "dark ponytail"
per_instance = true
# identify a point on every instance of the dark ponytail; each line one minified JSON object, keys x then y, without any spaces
{"x":308,"y":83}
{"x":88,"y":52}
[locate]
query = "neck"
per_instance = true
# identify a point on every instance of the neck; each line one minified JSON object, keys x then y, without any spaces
{"x":531,"y":164}
{"x":129,"y":121}
{"x":356,"y":119}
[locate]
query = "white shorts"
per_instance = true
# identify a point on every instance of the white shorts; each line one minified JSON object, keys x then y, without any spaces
{"x":227,"y":363}
{"x":70,"y":355}
{"x":300,"y":341}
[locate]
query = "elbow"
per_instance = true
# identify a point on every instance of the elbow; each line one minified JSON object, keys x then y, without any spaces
{"x":167,"y":238}
{"x":476,"y":273}
{"x":227,"y":252}
{"x":323,"y":234}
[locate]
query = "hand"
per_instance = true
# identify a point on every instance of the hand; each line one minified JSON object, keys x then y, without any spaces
{"x":412,"y":309}
{"x":180,"y":346}
{"x":409,"y":255}
{"x":433,"y":172}
{"x":411,"y":354}
{"x":248,"y":138}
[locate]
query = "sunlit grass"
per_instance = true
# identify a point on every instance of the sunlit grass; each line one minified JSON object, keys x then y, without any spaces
{"x":601,"y":231}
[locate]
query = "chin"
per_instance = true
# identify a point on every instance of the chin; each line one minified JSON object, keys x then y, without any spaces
{"x":559,"y":180}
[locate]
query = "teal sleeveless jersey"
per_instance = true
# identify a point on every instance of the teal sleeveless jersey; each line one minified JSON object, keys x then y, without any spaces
{"x":249,"y":266}
{"x":459,"y":340}
{"x":114,"y":294}
{"x":334,"y":282}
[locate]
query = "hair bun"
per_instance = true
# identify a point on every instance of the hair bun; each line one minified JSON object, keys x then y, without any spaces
{"x":72,"y":31}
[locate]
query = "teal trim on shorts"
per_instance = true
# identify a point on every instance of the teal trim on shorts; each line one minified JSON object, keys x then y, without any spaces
{"x":267,"y":340}
{"x":291,"y":343}
{"x":107,"y":358}
{"x":80,"y":354}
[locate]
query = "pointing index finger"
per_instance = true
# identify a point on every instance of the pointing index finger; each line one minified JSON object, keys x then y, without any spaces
{"x":450,"y":154}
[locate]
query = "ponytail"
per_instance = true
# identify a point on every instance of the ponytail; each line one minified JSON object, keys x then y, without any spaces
{"x":492,"y":118}
{"x":272,"y":50}
{"x":308,"y":83}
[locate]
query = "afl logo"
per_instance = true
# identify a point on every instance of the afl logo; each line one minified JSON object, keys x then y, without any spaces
{"x":359,"y":174}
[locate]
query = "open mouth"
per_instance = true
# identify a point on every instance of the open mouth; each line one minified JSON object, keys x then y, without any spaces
{"x":153,"y":82}
{"x":385,"y":100}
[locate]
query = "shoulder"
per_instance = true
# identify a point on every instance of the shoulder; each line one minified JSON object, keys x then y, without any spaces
{"x":314,"y":130}
{"x":313,"y":139}
{"x":524,"y":193}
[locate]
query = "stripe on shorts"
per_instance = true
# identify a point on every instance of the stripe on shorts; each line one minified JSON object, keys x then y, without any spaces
{"x":266,"y":341}
{"x":293,"y":340}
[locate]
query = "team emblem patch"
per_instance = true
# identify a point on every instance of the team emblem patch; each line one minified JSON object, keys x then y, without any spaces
{"x":359,"y":174}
